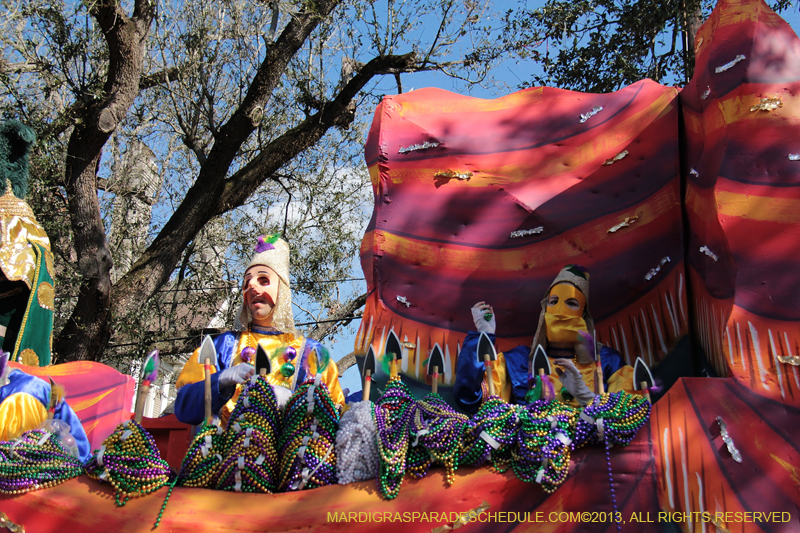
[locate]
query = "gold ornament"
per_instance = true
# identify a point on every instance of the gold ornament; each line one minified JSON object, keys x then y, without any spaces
{"x":767,"y":104}
{"x":452,"y":174}
{"x":28,"y":357}
{"x":48,"y":261}
{"x":46,"y":296}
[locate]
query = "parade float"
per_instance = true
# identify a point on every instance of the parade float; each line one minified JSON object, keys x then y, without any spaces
{"x":683,"y":206}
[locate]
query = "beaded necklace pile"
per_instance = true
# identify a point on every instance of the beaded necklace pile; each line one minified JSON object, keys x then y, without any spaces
{"x":131,"y":462}
{"x":492,"y":436}
{"x":614,"y":418}
{"x":307,"y":444}
{"x":203,"y":458}
{"x":543,"y":443}
{"x":535,"y":440}
{"x":248,"y":446}
{"x":35,"y":460}
{"x":439,"y":431}
{"x":393,"y":414}
{"x":357,"y":444}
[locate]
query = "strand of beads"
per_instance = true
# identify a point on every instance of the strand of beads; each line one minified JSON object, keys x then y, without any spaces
{"x":439,"y":440}
{"x":612,"y":418}
{"x":202,"y":459}
{"x":308,"y":458}
{"x":611,"y":488}
{"x":492,"y":436}
{"x":357,"y":444}
{"x":544,"y":443}
{"x":249,"y":460}
{"x":35,"y":460}
{"x":418,"y":460}
{"x":393,"y":413}
{"x":131,"y":462}
{"x":257,"y":406}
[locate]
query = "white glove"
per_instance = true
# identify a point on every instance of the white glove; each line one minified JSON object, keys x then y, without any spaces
{"x":479,"y":312}
{"x":573,"y":381}
{"x":235,"y":374}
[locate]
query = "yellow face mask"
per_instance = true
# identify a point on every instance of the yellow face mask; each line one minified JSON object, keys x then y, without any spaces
{"x":564,"y":313}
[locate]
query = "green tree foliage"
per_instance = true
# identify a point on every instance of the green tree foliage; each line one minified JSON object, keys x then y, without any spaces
{"x":604,"y":45}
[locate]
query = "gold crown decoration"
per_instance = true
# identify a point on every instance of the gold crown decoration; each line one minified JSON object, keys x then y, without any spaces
{"x":11,"y":206}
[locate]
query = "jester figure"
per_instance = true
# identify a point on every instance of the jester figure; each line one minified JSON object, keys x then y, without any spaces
{"x":565,"y":332}
{"x":265,"y":318}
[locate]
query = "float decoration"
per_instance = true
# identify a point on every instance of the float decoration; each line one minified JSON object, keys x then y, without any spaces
{"x":150,"y":369}
{"x":442,"y":246}
{"x":208,"y":358}
{"x":742,"y":196}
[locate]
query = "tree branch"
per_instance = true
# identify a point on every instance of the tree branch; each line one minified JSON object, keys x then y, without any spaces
{"x":345,"y":362}
{"x":201,"y":202}
{"x":66,"y":118}
{"x":344,"y":314}
{"x":161,"y":77}
{"x":86,"y":332}
{"x":334,"y":113}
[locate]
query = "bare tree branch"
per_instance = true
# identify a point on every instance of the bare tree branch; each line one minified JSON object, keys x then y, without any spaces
{"x":344,"y":314}
{"x":346,"y":362}
{"x":160,"y":78}
{"x":334,"y":113}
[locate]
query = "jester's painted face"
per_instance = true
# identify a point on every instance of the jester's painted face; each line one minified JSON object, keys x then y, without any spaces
{"x":260,"y":288}
{"x":564,"y":313}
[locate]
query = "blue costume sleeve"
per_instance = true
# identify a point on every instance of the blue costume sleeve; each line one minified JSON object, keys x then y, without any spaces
{"x":611,"y":361}
{"x":469,"y":375}
{"x":190,"y":403}
{"x":517,"y":367}
{"x":355,"y":397}
{"x":19,"y":381}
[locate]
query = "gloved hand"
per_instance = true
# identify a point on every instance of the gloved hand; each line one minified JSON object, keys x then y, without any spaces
{"x":573,"y":381}
{"x":479,"y":312}
{"x":235,"y":374}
